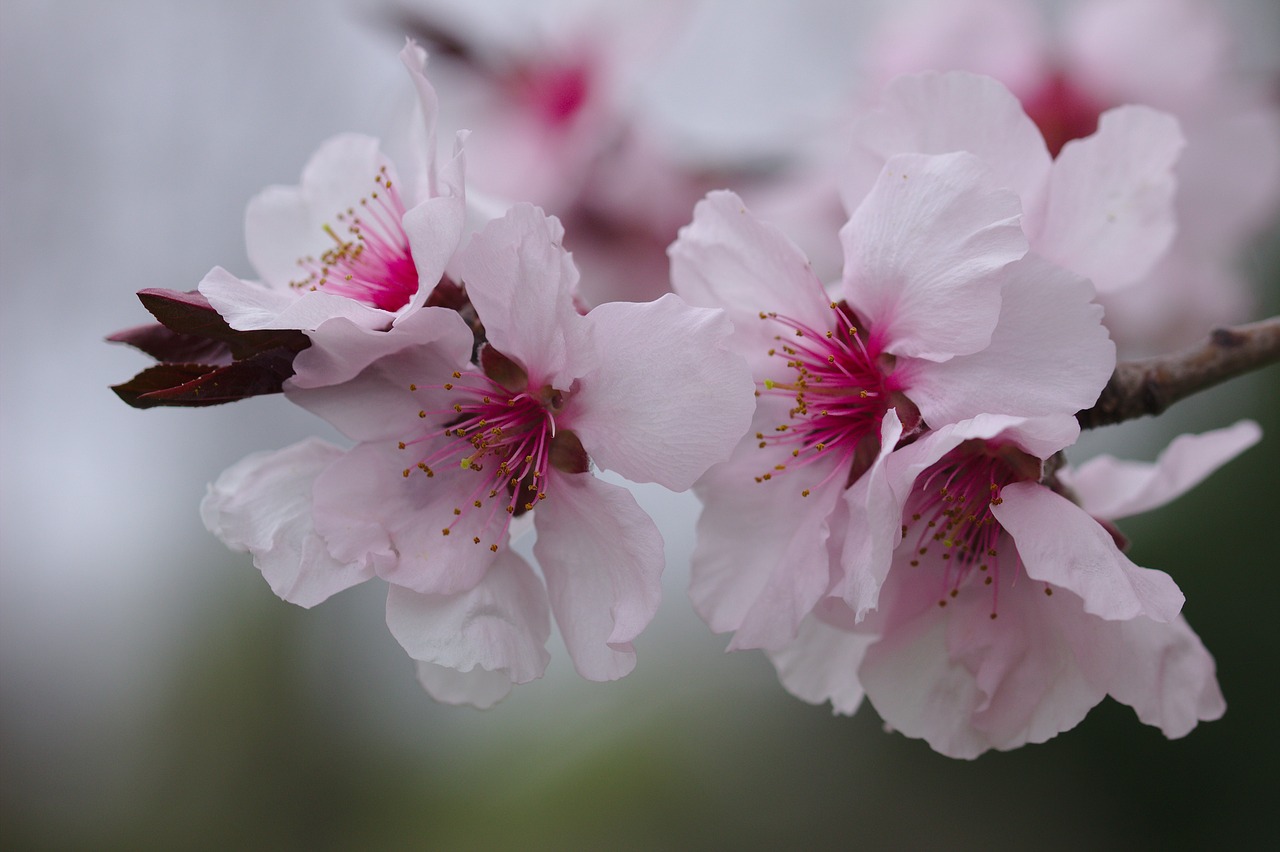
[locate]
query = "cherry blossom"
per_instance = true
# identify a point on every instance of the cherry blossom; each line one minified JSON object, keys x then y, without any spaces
{"x":1007,"y":608}
{"x":1173,"y":55}
{"x":551,"y":93}
{"x":1102,"y":208}
{"x":357,"y":239}
{"x":941,"y":315}
{"x":450,"y":453}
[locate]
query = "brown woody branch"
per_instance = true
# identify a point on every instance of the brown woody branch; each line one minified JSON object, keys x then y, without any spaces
{"x":1149,"y":386}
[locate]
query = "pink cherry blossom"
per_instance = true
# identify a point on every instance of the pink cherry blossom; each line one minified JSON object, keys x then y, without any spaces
{"x":1102,"y":208}
{"x":450,"y":453}
{"x":940,"y":316}
{"x":551,"y":95}
{"x":1174,"y":55}
{"x":357,"y":239}
{"x":1006,"y":610}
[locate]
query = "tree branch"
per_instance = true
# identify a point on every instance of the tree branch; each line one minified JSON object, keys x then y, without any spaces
{"x":1149,"y":386}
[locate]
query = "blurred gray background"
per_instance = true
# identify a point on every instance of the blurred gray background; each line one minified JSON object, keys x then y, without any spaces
{"x":155,"y":694}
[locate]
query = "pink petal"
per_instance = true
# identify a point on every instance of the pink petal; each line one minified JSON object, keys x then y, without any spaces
{"x":1110,"y":212}
{"x":924,"y":252}
{"x":1059,"y":543}
{"x":800,"y":573}
{"x":936,"y":113}
{"x":522,"y":284}
{"x":1049,"y":354}
{"x":822,"y":665}
{"x":1164,"y":673}
{"x":368,"y":512}
{"x":1004,"y":39}
{"x":286,"y":223}
{"x":665,"y":399}
{"x":1109,"y":488}
{"x":359,"y":380}
{"x":248,"y":305}
{"x":262,"y":504}
{"x":875,"y":504}
{"x":1159,"y":52}
{"x":965,"y":682}
{"x":727,"y":258}
{"x":602,"y":559}
{"x":500,"y":625}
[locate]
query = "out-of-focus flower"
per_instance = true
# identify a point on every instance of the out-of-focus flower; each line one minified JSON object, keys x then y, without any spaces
{"x":941,"y":315}
{"x":1007,"y":611}
{"x":357,"y":239}
{"x":449,"y":454}
{"x":1174,"y":55}
{"x":1102,"y":208}
{"x":556,"y":122}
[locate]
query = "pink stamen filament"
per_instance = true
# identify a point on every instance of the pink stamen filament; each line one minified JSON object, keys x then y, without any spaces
{"x":374,"y":267}
{"x":503,"y":437}
{"x":840,"y":392}
{"x":954,"y":499}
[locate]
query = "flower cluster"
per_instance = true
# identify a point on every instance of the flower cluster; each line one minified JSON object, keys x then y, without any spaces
{"x":887,"y":508}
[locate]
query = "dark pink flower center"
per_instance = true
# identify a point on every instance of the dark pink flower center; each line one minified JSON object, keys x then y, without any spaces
{"x":1062,"y":112}
{"x":950,"y":509}
{"x":840,"y":387}
{"x":554,"y":91}
{"x":371,"y":262}
{"x":506,"y":440}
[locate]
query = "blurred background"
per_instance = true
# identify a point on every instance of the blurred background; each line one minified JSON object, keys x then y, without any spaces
{"x":154,"y":693}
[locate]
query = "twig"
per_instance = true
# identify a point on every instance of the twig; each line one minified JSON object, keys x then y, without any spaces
{"x":1149,"y":386}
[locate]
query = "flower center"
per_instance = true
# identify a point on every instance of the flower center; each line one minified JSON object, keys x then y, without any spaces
{"x":840,"y":392}
{"x":951,"y":507}
{"x":371,"y":262}
{"x":1062,"y":112}
{"x":554,"y":91}
{"x":503,"y":436}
